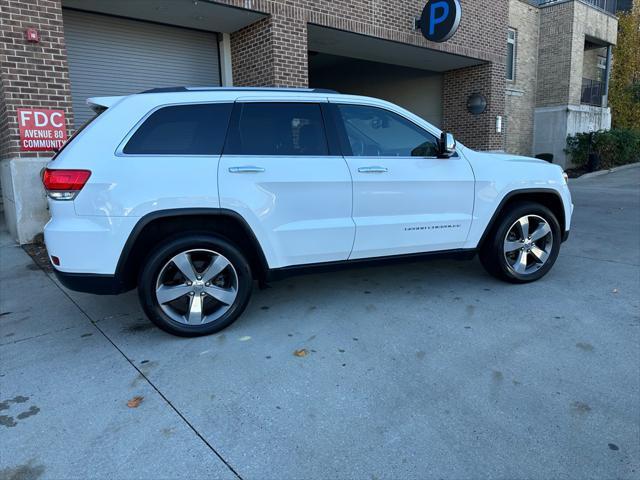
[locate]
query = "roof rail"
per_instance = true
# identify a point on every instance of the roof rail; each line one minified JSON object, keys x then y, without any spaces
{"x":236,"y":89}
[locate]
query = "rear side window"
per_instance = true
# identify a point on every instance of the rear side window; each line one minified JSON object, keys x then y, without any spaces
{"x":277,"y":129}
{"x":182,"y":130}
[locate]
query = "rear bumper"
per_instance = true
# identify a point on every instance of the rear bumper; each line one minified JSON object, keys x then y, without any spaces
{"x":86,"y":245}
{"x":90,"y":283}
{"x":565,"y":235}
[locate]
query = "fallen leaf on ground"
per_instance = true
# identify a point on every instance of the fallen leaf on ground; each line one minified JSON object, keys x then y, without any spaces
{"x":301,"y":353}
{"x":135,"y":402}
{"x":245,"y":339}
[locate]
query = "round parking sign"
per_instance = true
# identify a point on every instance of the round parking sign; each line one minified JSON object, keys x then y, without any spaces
{"x":440,"y":19}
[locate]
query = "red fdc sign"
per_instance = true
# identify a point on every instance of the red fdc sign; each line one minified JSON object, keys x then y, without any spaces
{"x":41,"y":129}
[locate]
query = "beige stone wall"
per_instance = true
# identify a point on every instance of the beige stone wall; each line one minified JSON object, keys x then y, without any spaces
{"x":521,"y":93}
{"x":555,"y":55}
{"x":564,"y":28}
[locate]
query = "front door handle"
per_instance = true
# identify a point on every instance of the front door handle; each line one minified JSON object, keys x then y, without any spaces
{"x":373,"y":170}
{"x":246,"y":169}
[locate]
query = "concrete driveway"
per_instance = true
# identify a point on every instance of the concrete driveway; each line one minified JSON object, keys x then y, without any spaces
{"x":427,"y":370}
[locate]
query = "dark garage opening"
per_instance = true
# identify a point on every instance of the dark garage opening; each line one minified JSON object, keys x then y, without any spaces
{"x":417,"y":90}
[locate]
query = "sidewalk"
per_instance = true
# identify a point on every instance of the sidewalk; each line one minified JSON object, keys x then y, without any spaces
{"x":64,"y":389}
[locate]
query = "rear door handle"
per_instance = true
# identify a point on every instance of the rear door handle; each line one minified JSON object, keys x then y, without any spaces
{"x":246,"y":169}
{"x":373,"y":170}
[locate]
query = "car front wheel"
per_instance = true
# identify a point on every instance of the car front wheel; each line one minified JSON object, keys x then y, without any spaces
{"x":195,"y":285}
{"x":524,"y":244}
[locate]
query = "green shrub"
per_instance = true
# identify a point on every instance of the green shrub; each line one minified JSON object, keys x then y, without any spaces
{"x":614,"y":147}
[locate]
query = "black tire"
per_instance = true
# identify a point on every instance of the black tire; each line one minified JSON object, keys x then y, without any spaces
{"x":492,"y":254}
{"x":158,"y":259}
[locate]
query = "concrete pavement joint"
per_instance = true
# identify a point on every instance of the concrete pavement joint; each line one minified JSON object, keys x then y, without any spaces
{"x":168,"y":402}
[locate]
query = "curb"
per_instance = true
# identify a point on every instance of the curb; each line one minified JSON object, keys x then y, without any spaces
{"x":599,"y":173}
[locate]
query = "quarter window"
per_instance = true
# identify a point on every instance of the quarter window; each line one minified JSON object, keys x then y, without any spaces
{"x":277,"y":129}
{"x":512,"y":38}
{"x":197,"y":129}
{"x":374,"y":132}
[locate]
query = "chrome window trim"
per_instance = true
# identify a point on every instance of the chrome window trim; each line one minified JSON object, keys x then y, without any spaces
{"x":281,"y":100}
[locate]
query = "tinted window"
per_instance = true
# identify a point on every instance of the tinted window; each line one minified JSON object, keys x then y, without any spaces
{"x":278,"y":129}
{"x":379,"y":133}
{"x":182,"y":130}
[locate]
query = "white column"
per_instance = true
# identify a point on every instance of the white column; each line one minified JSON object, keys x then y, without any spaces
{"x":226,"y":72}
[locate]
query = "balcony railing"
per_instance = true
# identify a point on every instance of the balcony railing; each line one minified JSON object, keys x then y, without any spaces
{"x":609,"y":6}
{"x":592,"y":92}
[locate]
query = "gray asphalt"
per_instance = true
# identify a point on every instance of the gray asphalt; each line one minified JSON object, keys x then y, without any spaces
{"x":427,"y":370}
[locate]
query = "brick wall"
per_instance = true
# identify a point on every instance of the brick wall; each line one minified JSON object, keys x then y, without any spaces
{"x":32,"y":75}
{"x":476,"y":131}
{"x":4,"y":123}
{"x":273,"y":51}
{"x":521,"y":93}
{"x":481,"y":33}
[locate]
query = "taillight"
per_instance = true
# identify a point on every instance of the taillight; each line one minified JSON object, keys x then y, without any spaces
{"x":64,"y":184}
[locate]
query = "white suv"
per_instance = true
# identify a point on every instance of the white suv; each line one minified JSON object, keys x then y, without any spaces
{"x":190,"y":194}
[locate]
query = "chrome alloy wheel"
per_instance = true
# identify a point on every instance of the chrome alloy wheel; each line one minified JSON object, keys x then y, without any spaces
{"x":528,"y":244}
{"x":197,"y":287}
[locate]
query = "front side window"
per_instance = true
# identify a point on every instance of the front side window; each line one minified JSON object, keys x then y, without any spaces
{"x":511,"y":54}
{"x":197,"y":129}
{"x":374,"y":132}
{"x":277,"y":129}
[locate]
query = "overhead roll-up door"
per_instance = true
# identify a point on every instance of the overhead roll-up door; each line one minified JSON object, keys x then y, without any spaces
{"x":118,"y":56}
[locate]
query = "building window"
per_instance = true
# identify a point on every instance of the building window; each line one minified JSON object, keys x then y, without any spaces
{"x":511,"y":54}
{"x":602,"y":67}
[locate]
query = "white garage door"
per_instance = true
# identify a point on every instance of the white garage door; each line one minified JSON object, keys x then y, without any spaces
{"x":116,"y":56}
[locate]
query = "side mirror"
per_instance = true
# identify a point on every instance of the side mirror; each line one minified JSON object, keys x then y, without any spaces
{"x":447,"y":145}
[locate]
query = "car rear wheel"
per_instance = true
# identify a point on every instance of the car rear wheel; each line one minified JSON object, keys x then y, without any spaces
{"x":524,"y":244}
{"x":194,"y":285}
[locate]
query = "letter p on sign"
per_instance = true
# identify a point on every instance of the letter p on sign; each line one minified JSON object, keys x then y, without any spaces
{"x":434,"y":18}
